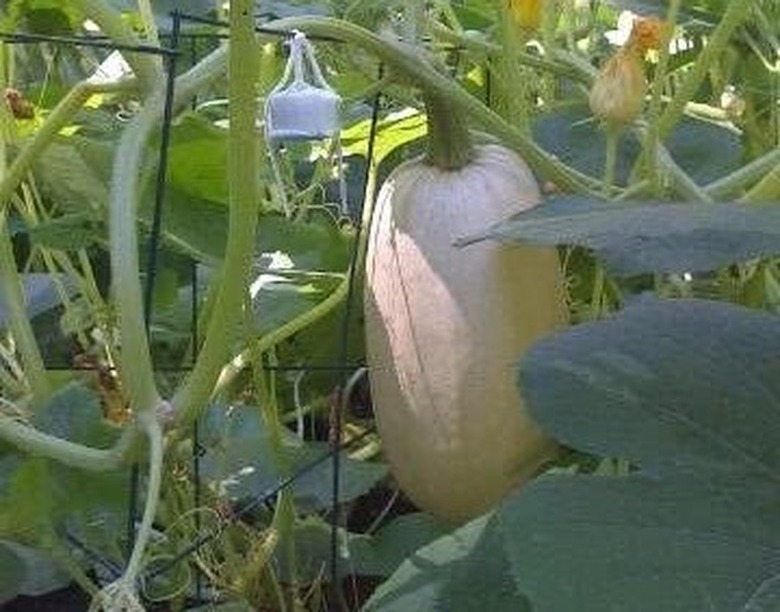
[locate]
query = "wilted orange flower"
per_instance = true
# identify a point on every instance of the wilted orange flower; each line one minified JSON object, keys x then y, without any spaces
{"x":21,"y":108}
{"x":619,"y":89}
{"x":647,"y":34}
{"x":526,"y":13}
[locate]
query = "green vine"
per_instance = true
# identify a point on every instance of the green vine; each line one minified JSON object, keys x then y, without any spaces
{"x":244,"y":195}
{"x":407,"y":61}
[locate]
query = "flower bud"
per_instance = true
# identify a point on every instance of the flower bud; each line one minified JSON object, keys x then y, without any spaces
{"x":619,"y":89}
{"x":21,"y":108}
{"x":526,"y":13}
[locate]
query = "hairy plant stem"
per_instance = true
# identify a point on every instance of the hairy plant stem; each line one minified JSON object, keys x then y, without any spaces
{"x":651,"y":141}
{"x":149,"y":423}
{"x":407,"y":61}
{"x":509,"y":90}
{"x":244,"y":195}
{"x":449,"y":141}
{"x":33,"y":441}
{"x":766,"y":190}
{"x":737,"y":181}
{"x":612,"y":135}
{"x":119,"y":594}
{"x":137,"y":371}
{"x":555,"y":61}
{"x":284,"y":517}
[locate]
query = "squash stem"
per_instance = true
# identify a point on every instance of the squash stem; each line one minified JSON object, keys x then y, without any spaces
{"x":449,"y":141}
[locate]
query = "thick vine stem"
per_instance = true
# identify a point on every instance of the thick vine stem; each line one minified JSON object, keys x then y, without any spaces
{"x":766,"y":190}
{"x":33,"y":441}
{"x":449,"y":140}
{"x":555,"y":61}
{"x":407,"y":61}
{"x":121,"y":595}
{"x":274,"y":337}
{"x":244,"y":182}
{"x":651,"y":141}
{"x":137,"y":371}
{"x":743,"y":178}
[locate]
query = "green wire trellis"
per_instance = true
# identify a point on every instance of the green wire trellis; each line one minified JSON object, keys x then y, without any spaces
{"x":172,"y":54}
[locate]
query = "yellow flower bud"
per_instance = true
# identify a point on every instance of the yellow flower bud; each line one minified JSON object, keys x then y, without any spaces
{"x":619,"y":89}
{"x":526,"y":13}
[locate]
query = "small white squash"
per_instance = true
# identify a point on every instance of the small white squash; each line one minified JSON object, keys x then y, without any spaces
{"x":446,"y":328}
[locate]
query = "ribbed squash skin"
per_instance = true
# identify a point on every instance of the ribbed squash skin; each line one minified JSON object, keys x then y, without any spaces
{"x":446,"y":327}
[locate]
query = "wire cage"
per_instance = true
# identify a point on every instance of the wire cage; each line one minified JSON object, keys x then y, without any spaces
{"x":301,"y":107}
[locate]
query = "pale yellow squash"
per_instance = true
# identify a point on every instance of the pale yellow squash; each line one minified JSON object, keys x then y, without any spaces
{"x":446,"y":328}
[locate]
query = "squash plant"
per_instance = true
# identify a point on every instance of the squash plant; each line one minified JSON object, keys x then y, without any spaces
{"x":678,"y":395}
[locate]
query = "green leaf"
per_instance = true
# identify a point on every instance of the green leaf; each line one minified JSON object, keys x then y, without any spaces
{"x":464,"y":571}
{"x":639,"y":544}
{"x":190,"y":224}
{"x":315,"y":245}
{"x":392,"y":132}
{"x":687,"y":391}
{"x":71,"y":181}
{"x":41,"y":573}
{"x":75,"y":414}
{"x":382,"y":553}
{"x":634,"y":238}
{"x":363,"y":555}
{"x":680,"y":387}
{"x":197,"y":159}
{"x":30,"y":506}
{"x":69,"y":232}
{"x":241,"y":462}
{"x":704,"y":150}
{"x":40,"y":493}
{"x":40,"y":293}
{"x":280,"y":298}
{"x":12,"y":570}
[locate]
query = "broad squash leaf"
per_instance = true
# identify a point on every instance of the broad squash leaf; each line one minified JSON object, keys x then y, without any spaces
{"x":466,"y":570}
{"x":633,"y":238}
{"x":240,"y":462}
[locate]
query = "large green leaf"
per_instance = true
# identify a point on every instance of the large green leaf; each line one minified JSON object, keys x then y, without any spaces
{"x":392,"y":132}
{"x":242,"y":464}
{"x":680,"y":387}
{"x":706,"y":151}
{"x":360,"y":554}
{"x":72,"y":177}
{"x":688,"y":391}
{"x":463,"y":571}
{"x":197,"y":159}
{"x":39,"y":494}
{"x":12,"y":572}
{"x":640,"y":544}
{"x":633,"y":238}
